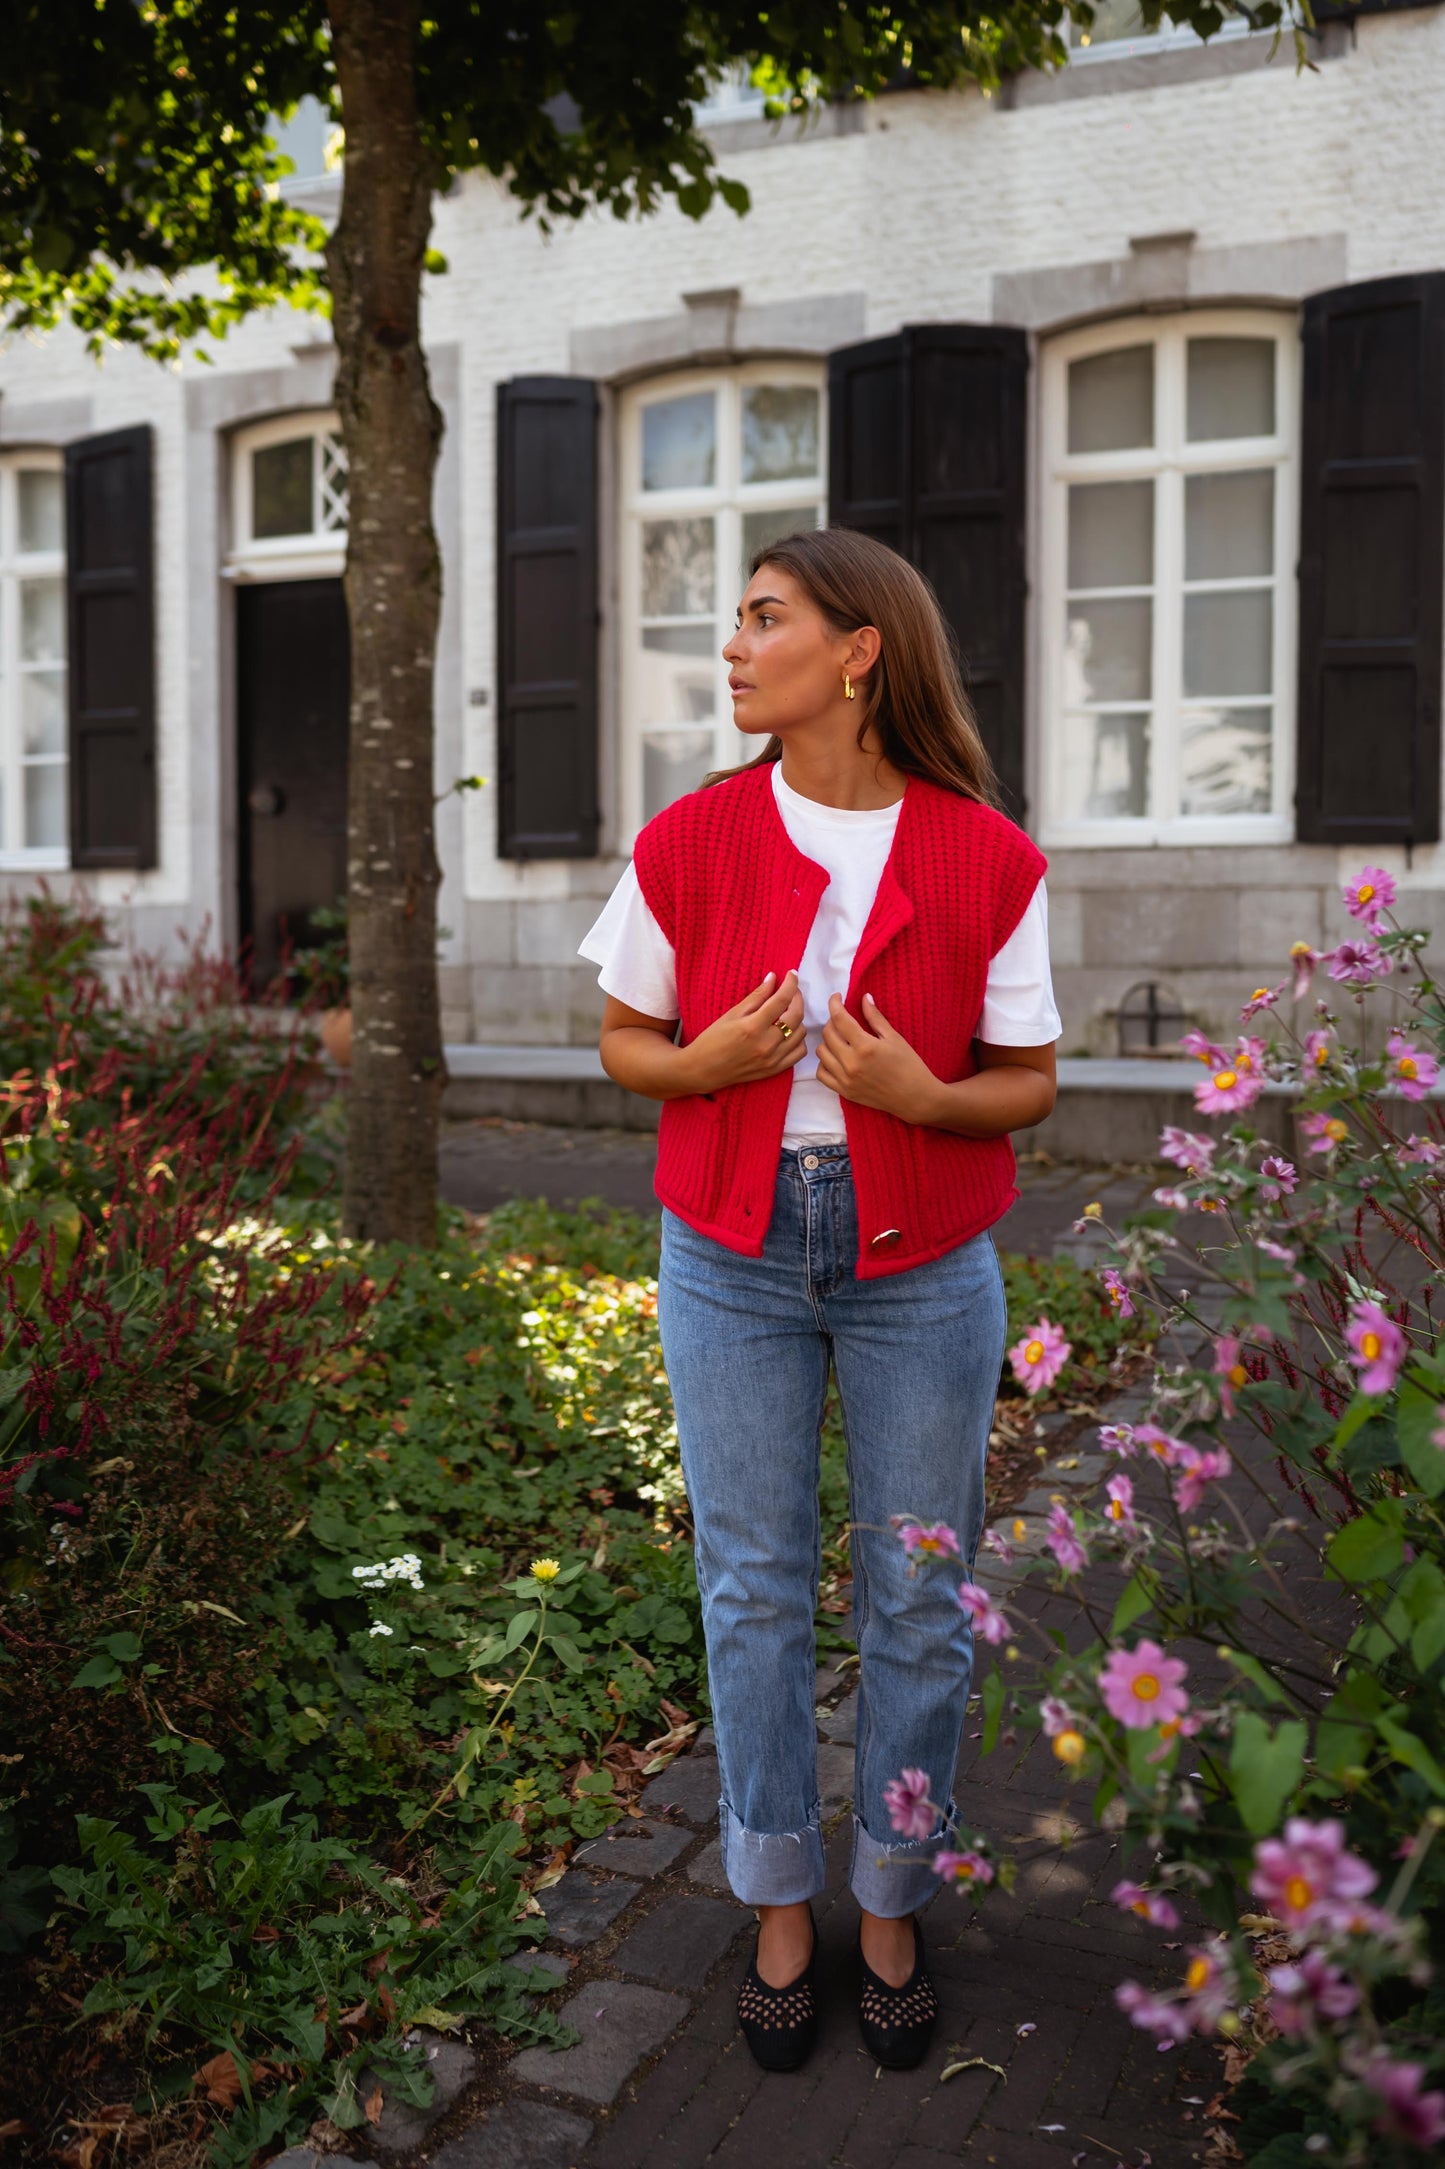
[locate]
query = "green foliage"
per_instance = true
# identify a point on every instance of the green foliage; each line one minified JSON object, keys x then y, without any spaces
{"x":1066,"y":1293}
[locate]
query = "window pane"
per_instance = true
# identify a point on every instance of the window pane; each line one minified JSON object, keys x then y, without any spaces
{"x":679,"y":443}
{"x":42,"y":711}
{"x":45,"y":804}
{"x":677,"y":677}
{"x":1107,"y":656}
{"x":334,"y":485}
{"x":1111,"y":400}
{"x":1113,"y":19}
{"x":1225,"y":761}
{"x":1229,"y":525}
{"x":1231,"y":389}
{"x":780,"y":432}
{"x":1111,"y":534}
{"x":679,"y":568}
{"x":761,"y":528}
{"x":42,"y":510}
{"x":281,"y":489}
{"x":42,"y":621}
{"x":673,"y":762}
{"x":1228,"y":644}
{"x":1106,"y":766}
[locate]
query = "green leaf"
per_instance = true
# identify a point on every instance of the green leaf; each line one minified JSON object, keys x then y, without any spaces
{"x":98,"y":1672}
{"x":1252,"y":1670}
{"x":567,"y":1650}
{"x":597,"y":1781}
{"x":1416,"y":1756}
{"x":1264,"y":1768}
{"x":1359,"y":1412}
{"x":991,"y":1694}
{"x":125,"y":1647}
{"x":521,"y":1627}
{"x":1368,"y":1549}
{"x":1134,"y":1600}
{"x":1420,"y":1413}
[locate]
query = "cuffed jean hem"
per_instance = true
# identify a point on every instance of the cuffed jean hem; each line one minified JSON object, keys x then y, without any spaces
{"x":892,"y":1879}
{"x":772,"y":1867}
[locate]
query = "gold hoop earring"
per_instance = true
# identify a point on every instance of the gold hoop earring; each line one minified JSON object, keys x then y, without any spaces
{"x":850,"y":691}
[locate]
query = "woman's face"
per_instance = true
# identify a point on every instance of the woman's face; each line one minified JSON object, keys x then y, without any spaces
{"x":787,"y":660}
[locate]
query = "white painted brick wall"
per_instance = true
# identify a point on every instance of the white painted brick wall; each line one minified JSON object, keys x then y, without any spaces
{"x":920,"y":209}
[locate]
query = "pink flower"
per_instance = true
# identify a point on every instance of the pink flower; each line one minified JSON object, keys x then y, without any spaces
{"x":1141,"y":1686}
{"x":910,"y":1810}
{"x":1172,"y":1729}
{"x":1117,"y":1438}
{"x":1280,"y":1252}
{"x":1303,"y":1877}
{"x":1357,"y":962}
{"x":1120,"y":1508}
{"x":1319,"y":1046}
{"x":1249,"y":1053}
{"x":1057,"y":1717}
{"x":1281,"y":1178}
{"x":1327,"y":1131}
{"x":1209,"y":1989}
{"x":1168,"y":2022}
{"x":1406,"y":2112}
{"x":1186,"y":1149}
{"x":1304,"y":960}
{"x":1117,"y":1290}
{"x":999,"y":1545}
{"x":987,"y":1619}
{"x":1414,"y":1070}
{"x":1228,"y":1369}
{"x":934,"y":1538}
{"x":1197,"y":1468}
{"x":1174,"y":1199}
{"x":1040,"y":1356}
{"x":1371,"y":892}
{"x":962,"y":1868}
{"x":1228,"y":1088}
{"x":1309,"y":1990}
{"x":1418,"y":1151}
{"x":1377,"y":1346}
{"x":1262,"y":998}
{"x":1159,"y":1443}
{"x":1203,"y":1050}
{"x":1148,"y":1904}
{"x":1063,"y":1541}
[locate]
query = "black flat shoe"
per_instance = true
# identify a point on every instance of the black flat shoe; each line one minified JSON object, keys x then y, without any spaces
{"x":780,"y":2025}
{"x":897,"y":2023}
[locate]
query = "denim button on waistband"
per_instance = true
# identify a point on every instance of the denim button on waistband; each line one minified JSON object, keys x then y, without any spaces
{"x":810,"y":1159}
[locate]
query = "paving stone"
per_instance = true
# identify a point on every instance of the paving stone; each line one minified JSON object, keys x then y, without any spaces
{"x":553,"y":1962}
{"x":453,"y":2067}
{"x":640,"y":1849}
{"x":841,"y":1724}
{"x":679,"y":1944}
{"x":518,"y":2135}
{"x":579,"y":1907}
{"x":706,"y":1738}
{"x":707,"y":1867}
{"x":691,"y":1785}
{"x":835,"y":1778}
{"x":306,"y":2157}
{"x":620,"y":2023}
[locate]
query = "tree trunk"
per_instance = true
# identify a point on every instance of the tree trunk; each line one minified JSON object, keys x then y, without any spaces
{"x":392,"y":430}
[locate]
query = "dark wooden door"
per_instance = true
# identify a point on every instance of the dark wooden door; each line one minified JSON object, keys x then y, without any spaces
{"x":294,"y":690}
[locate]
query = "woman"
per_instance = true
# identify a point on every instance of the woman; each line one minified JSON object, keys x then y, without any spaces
{"x":829,"y":1165}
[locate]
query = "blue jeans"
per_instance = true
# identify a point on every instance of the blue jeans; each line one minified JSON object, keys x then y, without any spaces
{"x":747,"y":1344}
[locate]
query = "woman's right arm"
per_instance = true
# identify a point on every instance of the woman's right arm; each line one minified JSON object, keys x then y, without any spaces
{"x":741,"y":1046}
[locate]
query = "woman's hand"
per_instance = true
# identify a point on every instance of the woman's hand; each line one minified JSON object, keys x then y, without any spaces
{"x":746,"y":1043}
{"x":875,"y":1067}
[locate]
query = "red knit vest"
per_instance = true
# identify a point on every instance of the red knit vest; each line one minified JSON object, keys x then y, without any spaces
{"x":737,"y":898}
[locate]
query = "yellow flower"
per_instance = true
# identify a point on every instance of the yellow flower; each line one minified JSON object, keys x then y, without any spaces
{"x":1094,"y":1211}
{"x":545,"y":1570}
{"x":1021,"y":1529}
{"x":1071,"y":1747}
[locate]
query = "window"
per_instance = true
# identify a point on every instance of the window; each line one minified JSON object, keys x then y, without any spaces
{"x":290,"y":496}
{"x":34,"y":821}
{"x":1119,"y":30}
{"x":1167,"y":598}
{"x":713,"y":466}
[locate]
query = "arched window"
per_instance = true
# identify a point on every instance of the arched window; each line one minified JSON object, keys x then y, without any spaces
{"x":289,"y":497}
{"x":34,"y":823}
{"x":714,"y":463}
{"x":1167,"y":591}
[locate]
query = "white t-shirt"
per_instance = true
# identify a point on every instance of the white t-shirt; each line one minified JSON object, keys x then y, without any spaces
{"x":638,"y":966}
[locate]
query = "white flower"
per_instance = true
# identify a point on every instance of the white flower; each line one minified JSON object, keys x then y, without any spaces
{"x":406,"y":1568}
{"x":379,"y":1626}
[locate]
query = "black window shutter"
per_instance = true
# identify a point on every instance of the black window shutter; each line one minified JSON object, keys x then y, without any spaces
{"x":111,"y":637}
{"x":1372,"y":562}
{"x":547,"y":618}
{"x":927,"y":452}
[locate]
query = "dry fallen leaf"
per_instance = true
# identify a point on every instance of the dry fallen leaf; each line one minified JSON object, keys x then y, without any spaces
{"x":973,"y":2063}
{"x":373,"y":2105}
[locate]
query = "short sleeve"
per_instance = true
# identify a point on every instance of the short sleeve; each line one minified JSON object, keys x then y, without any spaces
{"x":636,"y":958}
{"x":1018,"y":1002}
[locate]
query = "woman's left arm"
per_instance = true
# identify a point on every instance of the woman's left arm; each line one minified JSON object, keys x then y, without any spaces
{"x":1012,"y":1089}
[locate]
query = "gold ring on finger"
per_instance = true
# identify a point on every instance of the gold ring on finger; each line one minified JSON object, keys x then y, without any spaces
{"x":785,"y":1029}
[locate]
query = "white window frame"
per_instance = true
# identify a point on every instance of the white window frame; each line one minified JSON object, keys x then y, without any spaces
{"x":1170,"y":37}
{"x":1167,"y":462}
{"x":319,"y":555}
{"x":726,"y":500}
{"x":48,"y":564}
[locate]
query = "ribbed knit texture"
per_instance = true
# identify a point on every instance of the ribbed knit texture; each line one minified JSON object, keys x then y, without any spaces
{"x":737,"y":899}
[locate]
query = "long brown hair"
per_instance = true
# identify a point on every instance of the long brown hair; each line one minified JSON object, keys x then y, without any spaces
{"x":913,"y":696}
